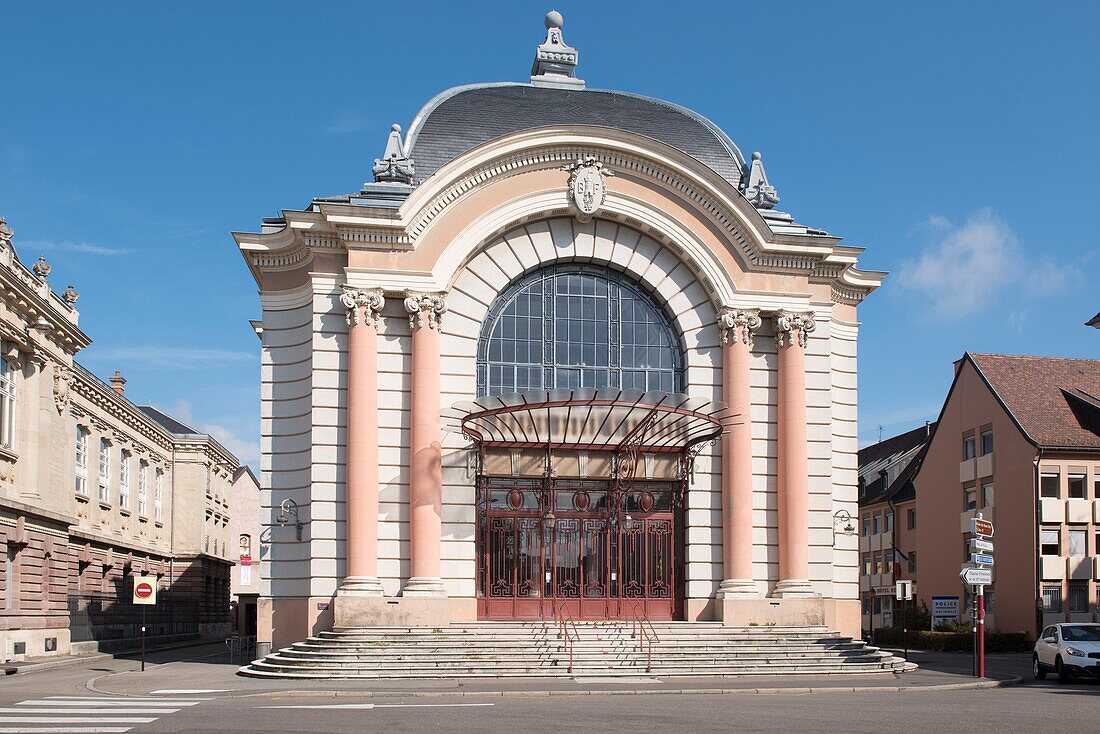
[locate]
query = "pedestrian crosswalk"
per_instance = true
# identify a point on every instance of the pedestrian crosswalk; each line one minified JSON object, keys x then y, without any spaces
{"x":87,"y":714}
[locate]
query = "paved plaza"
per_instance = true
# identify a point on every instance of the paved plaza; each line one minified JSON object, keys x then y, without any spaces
{"x":197,"y":689}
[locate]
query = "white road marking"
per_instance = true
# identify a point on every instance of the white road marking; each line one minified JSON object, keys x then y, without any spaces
{"x":66,"y":730}
{"x":78,"y":719}
{"x":94,"y":710}
{"x":179,"y":691}
{"x":87,"y":714}
{"x":86,"y":701}
{"x":362,"y":706}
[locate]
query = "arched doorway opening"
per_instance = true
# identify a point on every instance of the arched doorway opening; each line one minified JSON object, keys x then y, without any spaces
{"x":584,"y":448}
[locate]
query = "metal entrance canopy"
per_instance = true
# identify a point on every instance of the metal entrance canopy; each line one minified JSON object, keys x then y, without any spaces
{"x":586,"y":419}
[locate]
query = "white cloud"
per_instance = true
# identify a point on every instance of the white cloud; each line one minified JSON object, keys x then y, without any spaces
{"x":177,"y":358}
{"x":348,"y":122}
{"x":82,"y":247}
{"x":973,"y":263}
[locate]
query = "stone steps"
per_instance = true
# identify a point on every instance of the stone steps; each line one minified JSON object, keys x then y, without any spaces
{"x":490,"y":650}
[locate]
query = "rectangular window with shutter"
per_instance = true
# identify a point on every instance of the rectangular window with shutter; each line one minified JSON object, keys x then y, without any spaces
{"x":1050,"y":543}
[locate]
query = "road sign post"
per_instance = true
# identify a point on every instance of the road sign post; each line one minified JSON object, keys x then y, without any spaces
{"x":145,"y":595}
{"x":979,"y":576}
{"x":904,"y":592}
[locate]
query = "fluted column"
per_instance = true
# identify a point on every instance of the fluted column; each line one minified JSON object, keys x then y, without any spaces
{"x":425,"y":455}
{"x":791,"y":332}
{"x":738,"y":328}
{"x":363,"y":309}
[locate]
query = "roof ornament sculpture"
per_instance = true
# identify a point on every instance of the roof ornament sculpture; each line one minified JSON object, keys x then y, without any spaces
{"x":42,"y":268}
{"x":555,"y":61}
{"x":758,"y":190}
{"x":394,"y":166}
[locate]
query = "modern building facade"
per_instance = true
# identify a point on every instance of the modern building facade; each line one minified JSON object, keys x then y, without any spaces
{"x":561,"y":355}
{"x":93,"y":489}
{"x":1018,"y":440}
{"x":887,"y":523}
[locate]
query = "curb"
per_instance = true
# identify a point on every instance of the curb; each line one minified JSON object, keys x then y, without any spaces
{"x":976,"y":685}
{"x":66,"y":662}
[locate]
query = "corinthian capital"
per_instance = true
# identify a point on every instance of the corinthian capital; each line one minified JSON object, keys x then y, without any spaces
{"x":787,"y":323}
{"x":730,"y":320}
{"x":371,"y":301}
{"x":425,"y":308}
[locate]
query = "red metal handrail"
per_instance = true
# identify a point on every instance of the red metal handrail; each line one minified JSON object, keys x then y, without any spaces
{"x":642,"y":629}
{"x":567,"y":632}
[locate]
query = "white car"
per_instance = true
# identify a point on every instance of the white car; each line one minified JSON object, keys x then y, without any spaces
{"x":1067,"y":650}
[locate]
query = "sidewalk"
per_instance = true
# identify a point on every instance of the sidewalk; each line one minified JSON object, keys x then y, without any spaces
{"x":214,"y":677}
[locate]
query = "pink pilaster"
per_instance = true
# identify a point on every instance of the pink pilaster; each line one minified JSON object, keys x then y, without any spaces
{"x":791,"y":332}
{"x":737,"y":327}
{"x":363,"y":308}
{"x":425,"y":454}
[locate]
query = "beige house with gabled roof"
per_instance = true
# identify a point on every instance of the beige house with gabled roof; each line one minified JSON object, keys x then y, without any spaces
{"x":1018,"y":440}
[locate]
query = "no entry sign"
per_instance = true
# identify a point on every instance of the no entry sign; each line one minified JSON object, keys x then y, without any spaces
{"x":145,"y":589}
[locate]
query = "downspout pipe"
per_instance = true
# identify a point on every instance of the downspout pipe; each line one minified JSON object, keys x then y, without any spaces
{"x":1039,"y":610}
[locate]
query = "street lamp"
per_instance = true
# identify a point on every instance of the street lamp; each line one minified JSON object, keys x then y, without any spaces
{"x":290,"y":510}
{"x":845,"y":519}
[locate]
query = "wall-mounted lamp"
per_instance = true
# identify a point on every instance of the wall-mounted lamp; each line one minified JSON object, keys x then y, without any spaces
{"x":843,"y":523}
{"x":290,"y":514}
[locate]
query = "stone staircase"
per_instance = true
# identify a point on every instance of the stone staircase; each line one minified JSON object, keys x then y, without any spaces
{"x":534,"y":649}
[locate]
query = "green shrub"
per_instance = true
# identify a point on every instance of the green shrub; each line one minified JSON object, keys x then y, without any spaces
{"x":952,"y":641}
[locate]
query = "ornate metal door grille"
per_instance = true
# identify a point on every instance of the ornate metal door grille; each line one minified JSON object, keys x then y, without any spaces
{"x":603,"y":555}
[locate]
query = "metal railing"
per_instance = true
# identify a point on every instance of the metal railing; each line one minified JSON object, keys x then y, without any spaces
{"x":642,"y":630}
{"x":238,"y":646}
{"x":567,"y":632}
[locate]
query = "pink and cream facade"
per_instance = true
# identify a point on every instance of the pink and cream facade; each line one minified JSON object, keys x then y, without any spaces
{"x":562,"y":353}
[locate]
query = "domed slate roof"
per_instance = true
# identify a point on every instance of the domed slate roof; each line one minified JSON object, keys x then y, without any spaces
{"x":463,"y":118}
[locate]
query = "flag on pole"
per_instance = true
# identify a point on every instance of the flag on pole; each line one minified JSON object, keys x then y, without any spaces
{"x":899,"y":559}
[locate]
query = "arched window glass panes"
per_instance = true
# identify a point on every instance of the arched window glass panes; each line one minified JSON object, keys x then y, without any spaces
{"x":566,"y":327}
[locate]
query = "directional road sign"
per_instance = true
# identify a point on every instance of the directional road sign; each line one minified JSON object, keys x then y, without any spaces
{"x":981,"y":559}
{"x":977,"y":576}
{"x":981,"y":527}
{"x":981,"y":545}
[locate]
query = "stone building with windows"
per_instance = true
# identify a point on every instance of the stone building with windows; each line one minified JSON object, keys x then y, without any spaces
{"x":1017,"y":440}
{"x":887,"y":522}
{"x":93,"y":489}
{"x":561,"y":355}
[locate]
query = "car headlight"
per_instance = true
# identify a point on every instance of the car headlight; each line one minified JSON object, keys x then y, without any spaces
{"x":1074,"y":652}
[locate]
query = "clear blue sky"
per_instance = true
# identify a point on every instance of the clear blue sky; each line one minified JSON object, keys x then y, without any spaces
{"x":955,"y":141}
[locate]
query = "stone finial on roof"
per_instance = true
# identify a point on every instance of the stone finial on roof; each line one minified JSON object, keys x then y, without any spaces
{"x":69,"y":295}
{"x":394,"y":166}
{"x":5,"y":232}
{"x":758,"y":191}
{"x":555,"y":61}
{"x":42,"y":268}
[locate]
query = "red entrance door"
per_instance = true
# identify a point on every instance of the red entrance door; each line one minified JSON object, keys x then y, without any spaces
{"x":585,"y":558}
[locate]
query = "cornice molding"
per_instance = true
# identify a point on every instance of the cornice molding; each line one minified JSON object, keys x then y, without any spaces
{"x":341,"y":225}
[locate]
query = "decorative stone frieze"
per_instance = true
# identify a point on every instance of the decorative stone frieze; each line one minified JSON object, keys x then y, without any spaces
{"x":62,"y":378}
{"x":371,"y":301}
{"x":740,"y":323}
{"x":425,"y":308}
{"x":787,"y":323}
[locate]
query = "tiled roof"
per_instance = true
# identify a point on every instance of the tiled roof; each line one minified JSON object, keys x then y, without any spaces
{"x":908,"y":447}
{"x":169,"y":423}
{"x":463,"y":118}
{"x":1053,"y":400}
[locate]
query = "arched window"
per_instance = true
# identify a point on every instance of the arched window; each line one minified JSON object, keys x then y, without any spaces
{"x":575,"y":326}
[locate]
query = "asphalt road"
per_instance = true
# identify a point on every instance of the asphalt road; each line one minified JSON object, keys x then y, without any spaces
{"x":61,"y":701}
